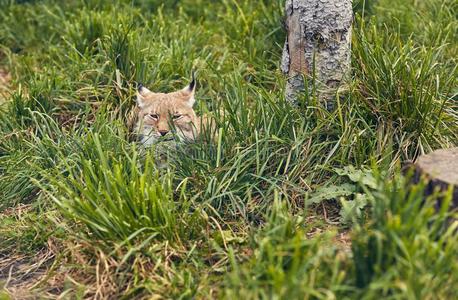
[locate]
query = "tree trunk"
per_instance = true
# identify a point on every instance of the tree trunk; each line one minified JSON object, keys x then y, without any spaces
{"x":317,"y":45}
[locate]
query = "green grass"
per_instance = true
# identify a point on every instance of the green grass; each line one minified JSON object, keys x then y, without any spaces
{"x":407,"y":247}
{"x":252,"y":214}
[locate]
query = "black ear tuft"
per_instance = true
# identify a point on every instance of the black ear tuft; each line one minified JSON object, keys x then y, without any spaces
{"x":192,"y":85}
{"x":139,"y":87}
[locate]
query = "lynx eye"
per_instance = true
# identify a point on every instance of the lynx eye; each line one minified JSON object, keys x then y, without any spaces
{"x":153,"y":116}
{"x":177,"y":116}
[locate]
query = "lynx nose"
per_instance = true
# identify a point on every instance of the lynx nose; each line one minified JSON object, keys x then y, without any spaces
{"x":163,"y":132}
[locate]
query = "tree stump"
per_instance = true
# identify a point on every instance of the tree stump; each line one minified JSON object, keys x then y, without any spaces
{"x":441,"y":170}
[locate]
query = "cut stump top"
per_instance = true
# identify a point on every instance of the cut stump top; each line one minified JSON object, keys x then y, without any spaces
{"x":440,"y":165}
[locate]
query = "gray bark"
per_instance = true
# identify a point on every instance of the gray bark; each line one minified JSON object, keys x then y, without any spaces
{"x":317,"y":45}
{"x":440,"y":168}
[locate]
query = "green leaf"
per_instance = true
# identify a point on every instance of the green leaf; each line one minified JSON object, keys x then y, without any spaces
{"x":362,"y":176}
{"x":331,"y":192}
{"x":351,"y":209}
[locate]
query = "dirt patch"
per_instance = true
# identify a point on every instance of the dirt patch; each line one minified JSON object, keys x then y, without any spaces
{"x":22,"y":273}
{"x":19,"y":274}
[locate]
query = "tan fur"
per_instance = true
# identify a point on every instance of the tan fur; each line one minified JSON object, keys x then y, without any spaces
{"x":160,"y":114}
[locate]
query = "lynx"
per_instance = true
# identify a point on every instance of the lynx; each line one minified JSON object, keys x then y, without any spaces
{"x":161,"y":116}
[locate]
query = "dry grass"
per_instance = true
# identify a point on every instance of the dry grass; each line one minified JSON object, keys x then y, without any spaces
{"x":5,"y":78}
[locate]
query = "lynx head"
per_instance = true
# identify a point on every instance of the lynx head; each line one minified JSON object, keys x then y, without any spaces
{"x":161,"y":115}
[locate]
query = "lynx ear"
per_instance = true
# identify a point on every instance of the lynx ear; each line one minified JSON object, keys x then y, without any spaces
{"x":190,"y":89}
{"x":142,"y":92}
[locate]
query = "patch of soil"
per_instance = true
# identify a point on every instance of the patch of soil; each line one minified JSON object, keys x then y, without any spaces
{"x":23,"y":274}
{"x":19,"y":274}
{"x":327,"y":214}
